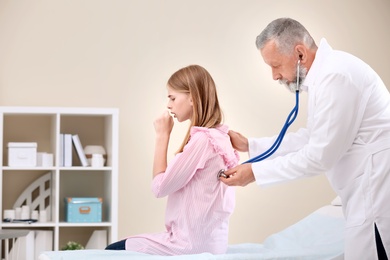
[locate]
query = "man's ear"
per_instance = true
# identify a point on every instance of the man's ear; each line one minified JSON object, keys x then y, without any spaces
{"x":301,"y":53}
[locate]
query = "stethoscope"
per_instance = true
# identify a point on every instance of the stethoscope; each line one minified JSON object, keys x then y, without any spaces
{"x":290,"y":119}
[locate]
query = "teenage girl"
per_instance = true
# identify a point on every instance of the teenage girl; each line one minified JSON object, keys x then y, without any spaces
{"x":198,"y":205}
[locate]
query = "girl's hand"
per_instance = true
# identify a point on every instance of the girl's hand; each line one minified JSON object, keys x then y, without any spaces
{"x":163,"y":124}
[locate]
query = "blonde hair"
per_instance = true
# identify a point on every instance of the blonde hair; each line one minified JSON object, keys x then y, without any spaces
{"x":196,"y":81}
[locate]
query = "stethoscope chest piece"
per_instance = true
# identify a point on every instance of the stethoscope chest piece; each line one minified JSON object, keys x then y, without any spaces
{"x":221,"y":173}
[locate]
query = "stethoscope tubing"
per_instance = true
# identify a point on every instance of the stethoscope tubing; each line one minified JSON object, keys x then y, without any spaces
{"x":290,"y":119}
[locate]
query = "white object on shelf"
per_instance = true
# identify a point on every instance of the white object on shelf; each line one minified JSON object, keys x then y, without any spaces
{"x":79,"y":150}
{"x":67,"y":150}
{"x":98,"y":240}
{"x":22,"y":154}
{"x":45,"y":159}
{"x":25,"y":212}
{"x":42,"y":216}
{"x":23,"y":248}
{"x":39,"y":201}
{"x":30,"y":245}
{"x":97,"y":160}
{"x":90,"y":150}
{"x":18,"y":212}
{"x":9,"y":214}
{"x":8,"y":244}
{"x":43,"y":242}
{"x":35,"y":214}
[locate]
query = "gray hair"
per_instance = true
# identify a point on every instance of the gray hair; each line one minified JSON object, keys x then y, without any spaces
{"x":286,"y":33}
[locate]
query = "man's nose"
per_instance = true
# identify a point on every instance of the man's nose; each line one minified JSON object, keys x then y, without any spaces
{"x":276,"y":75}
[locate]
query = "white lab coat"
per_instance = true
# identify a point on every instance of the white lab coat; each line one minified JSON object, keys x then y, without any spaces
{"x":348,"y":138}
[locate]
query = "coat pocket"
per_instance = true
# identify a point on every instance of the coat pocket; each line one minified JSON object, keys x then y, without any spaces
{"x":353,"y":198}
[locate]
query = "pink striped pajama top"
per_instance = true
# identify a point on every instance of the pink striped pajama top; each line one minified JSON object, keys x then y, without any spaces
{"x":198,"y":205}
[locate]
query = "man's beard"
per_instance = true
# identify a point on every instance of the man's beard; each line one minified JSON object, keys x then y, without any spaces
{"x":292,"y":86}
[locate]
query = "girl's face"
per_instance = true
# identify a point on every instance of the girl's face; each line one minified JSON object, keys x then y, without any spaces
{"x":179,"y":104}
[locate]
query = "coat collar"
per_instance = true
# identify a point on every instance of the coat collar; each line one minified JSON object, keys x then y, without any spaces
{"x":322,"y":53}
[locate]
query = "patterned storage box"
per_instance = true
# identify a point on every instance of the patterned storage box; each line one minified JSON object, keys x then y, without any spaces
{"x":82,"y":210}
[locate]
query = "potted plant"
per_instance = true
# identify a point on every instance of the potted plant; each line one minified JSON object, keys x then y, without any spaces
{"x":71,"y":245}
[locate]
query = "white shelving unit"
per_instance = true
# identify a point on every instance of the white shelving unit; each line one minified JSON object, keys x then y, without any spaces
{"x":95,"y":126}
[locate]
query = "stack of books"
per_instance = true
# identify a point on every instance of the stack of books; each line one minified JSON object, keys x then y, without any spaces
{"x":67,"y":142}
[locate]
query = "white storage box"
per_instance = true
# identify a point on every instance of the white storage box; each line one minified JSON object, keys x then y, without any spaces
{"x":22,"y":154}
{"x":45,"y":159}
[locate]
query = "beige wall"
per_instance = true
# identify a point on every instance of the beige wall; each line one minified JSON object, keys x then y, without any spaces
{"x":120,"y":53}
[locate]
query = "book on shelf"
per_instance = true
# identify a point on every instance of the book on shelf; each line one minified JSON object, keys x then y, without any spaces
{"x":61,"y":152}
{"x":66,"y":150}
{"x":79,"y":150}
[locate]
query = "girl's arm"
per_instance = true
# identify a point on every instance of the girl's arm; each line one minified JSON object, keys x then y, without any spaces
{"x":163,"y":126}
{"x":184,"y":165}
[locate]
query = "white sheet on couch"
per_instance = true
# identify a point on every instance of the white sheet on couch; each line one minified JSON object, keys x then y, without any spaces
{"x":318,"y":236}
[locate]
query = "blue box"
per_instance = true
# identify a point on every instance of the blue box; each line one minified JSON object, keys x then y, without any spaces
{"x":83,"y":210}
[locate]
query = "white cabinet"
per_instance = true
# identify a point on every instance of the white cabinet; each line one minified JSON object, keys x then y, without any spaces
{"x":43,"y":125}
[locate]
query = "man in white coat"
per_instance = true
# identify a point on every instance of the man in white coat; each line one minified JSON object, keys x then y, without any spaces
{"x":347,"y":134}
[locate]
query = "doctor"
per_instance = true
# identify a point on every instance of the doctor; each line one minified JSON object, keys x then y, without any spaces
{"x":347,"y":134}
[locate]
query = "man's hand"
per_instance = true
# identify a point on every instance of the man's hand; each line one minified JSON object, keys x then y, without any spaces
{"x":239,"y":142}
{"x":240,"y":175}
